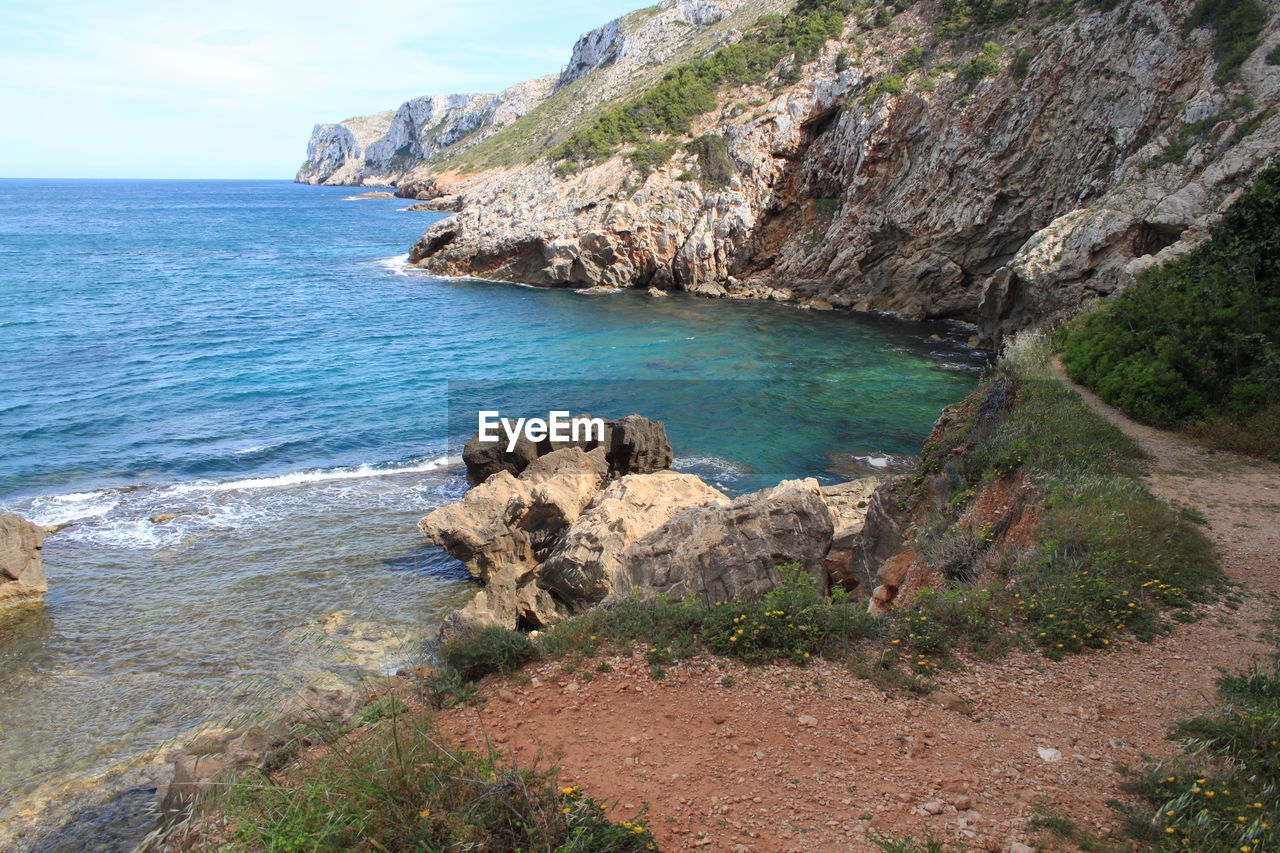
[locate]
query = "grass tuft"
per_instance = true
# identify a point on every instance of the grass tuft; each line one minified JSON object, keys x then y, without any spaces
{"x":401,"y":788}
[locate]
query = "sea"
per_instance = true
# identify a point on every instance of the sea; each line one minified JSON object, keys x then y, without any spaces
{"x":235,"y":399}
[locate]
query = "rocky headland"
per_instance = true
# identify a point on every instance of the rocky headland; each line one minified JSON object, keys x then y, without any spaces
{"x":917,"y":165}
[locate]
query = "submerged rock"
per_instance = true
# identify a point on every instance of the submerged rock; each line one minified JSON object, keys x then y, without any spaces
{"x":215,"y":755}
{"x":22,"y":579}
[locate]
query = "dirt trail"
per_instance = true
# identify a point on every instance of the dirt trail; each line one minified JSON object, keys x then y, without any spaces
{"x":788,"y":759}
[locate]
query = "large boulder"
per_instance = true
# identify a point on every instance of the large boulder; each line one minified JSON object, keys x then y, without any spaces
{"x":503,"y":527}
{"x":581,"y":569}
{"x":632,"y":445}
{"x":22,"y":578}
{"x":731,"y":551}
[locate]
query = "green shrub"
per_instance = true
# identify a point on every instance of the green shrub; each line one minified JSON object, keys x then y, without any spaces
{"x":1199,"y":338}
{"x":400,"y":789}
{"x":959,"y":17}
{"x":1237,"y":26}
{"x":1022,"y":64}
{"x":890,"y":84}
{"x":714,"y":161}
{"x":912,"y":59}
{"x":380,"y":708}
{"x":791,"y":622}
{"x":488,"y":651}
{"x":653,"y":154}
{"x":985,"y":64}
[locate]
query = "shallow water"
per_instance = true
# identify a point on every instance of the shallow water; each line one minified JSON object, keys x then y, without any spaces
{"x":254,"y":357}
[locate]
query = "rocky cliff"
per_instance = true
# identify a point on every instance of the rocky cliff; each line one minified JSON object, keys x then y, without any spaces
{"x":433,"y":132}
{"x":375,"y":149}
{"x":1001,"y":176}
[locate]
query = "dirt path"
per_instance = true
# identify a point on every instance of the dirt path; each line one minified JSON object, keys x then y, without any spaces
{"x":788,"y":759}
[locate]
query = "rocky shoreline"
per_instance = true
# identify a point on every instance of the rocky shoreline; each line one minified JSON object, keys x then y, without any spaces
{"x":550,"y":531}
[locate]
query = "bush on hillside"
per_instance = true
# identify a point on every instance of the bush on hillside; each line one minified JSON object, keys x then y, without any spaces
{"x":985,"y":64}
{"x":1237,"y":25}
{"x":1198,"y":339}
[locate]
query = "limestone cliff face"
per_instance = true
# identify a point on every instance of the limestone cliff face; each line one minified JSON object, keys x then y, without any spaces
{"x":376,"y":150}
{"x":335,"y":149}
{"x":1101,"y":144}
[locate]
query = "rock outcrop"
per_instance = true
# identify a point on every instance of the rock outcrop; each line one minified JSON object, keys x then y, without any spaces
{"x":551,"y":535}
{"x":437,"y":132}
{"x":503,"y":527}
{"x":583,"y":567}
{"x":378,"y":149}
{"x":22,"y":579}
{"x":546,"y":543}
{"x":1097,"y":146}
{"x":632,"y":445}
{"x":335,"y":150}
{"x":731,"y":551}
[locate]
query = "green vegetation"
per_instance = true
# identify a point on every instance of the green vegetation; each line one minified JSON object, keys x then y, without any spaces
{"x":714,"y":162}
{"x":960,"y":17}
{"x":912,"y":59}
{"x":985,"y":64}
{"x":1223,"y":794}
{"x":1188,"y":135}
{"x":1109,"y":556}
{"x":490,"y":650}
{"x":399,"y":788}
{"x":1022,"y":64}
{"x":910,"y":845}
{"x":691,"y":89}
{"x":1237,"y":26}
{"x":890,"y":84}
{"x":653,"y":154}
{"x":1106,"y":558}
{"x":1196,"y":343}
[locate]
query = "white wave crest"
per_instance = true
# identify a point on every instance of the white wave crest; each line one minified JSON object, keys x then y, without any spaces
{"x":397,"y":264}
{"x":316,"y":475}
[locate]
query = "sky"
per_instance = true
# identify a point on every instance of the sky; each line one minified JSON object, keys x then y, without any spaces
{"x":232,"y":88}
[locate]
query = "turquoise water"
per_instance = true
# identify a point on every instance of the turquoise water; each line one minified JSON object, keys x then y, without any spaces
{"x":254,"y":357}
